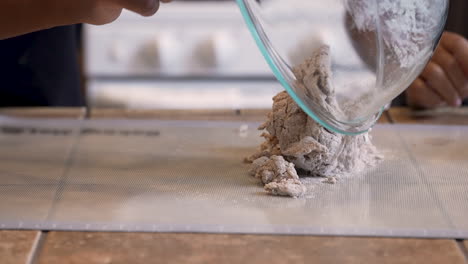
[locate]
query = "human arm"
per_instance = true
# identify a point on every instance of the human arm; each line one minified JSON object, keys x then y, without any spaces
{"x":19,"y":17}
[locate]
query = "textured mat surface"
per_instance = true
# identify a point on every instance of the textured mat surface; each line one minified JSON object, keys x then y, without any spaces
{"x":189,"y":176}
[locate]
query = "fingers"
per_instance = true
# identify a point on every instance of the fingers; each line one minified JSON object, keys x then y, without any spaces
{"x":142,"y":7}
{"x":452,"y":69}
{"x":419,"y":95}
{"x":445,"y":78}
{"x":436,"y":79}
{"x":458,"y":47}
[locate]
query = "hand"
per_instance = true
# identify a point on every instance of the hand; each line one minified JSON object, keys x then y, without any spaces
{"x":444,"y":81}
{"x":100,"y":12}
{"x":19,"y":17}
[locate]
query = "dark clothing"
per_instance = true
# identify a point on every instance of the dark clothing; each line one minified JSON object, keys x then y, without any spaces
{"x":41,"y":69}
{"x":458,"y":19}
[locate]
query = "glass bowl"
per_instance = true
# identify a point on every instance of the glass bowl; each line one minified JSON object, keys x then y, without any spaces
{"x":374,"y":50}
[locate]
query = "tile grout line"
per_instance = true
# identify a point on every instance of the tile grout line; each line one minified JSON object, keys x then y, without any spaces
{"x":36,"y":247}
{"x":463,"y":249}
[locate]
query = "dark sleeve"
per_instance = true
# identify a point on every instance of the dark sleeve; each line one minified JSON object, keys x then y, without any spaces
{"x":458,"y":17}
{"x":41,"y":69}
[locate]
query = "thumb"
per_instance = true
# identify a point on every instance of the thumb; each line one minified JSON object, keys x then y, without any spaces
{"x":142,"y":7}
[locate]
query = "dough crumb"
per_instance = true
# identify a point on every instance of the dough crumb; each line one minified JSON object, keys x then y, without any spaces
{"x":278,"y":175}
{"x":289,"y":187}
{"x":330,"y":180}
{"x":293,"y":140}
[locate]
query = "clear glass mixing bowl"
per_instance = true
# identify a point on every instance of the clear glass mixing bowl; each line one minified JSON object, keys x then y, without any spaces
{"x":377,"y":48}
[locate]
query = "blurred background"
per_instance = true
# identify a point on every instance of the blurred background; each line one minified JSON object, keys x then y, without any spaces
{"x":194,"y":54}
{"x":190,"y":55}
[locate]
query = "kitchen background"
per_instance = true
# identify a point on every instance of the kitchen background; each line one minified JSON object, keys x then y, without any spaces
{"x":190,"y":55}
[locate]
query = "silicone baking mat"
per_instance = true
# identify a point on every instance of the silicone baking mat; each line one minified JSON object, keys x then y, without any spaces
{"x":183,"y":176}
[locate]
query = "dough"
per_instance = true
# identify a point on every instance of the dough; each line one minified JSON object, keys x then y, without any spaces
{"x":278,"y":175}
{"x":295,"y":141}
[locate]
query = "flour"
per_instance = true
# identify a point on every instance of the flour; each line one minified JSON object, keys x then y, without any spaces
{"x":295,"y":142}
{"x":407,"y":26}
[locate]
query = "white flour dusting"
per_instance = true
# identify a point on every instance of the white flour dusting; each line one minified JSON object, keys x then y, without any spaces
{"x":407,"y":26}
{"x":295,"y":141}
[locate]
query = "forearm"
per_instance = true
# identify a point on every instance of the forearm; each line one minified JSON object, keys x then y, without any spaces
{"x":23,"y":16}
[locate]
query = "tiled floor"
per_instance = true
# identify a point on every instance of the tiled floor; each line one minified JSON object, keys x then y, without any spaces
{"x":88,"y":247}
{"x":16,"y":246}
{"x":458,"y":116}
{"x":75,"y":247}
